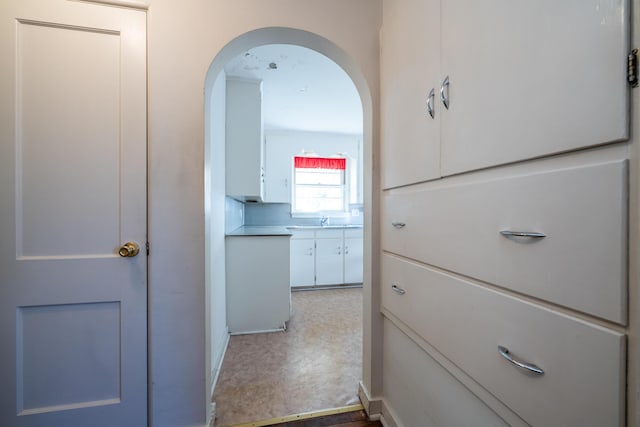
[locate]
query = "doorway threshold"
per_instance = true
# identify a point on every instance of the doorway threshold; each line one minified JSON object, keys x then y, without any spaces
{"x":302,"y":416}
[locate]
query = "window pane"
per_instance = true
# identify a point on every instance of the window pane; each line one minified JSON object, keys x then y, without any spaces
{"x":319,"y":176}
{"x":304,"y":191}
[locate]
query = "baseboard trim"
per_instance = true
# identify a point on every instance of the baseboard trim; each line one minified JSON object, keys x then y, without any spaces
{"x":211,"y":415}
{"x":387,"y":417}
{"x":216,"y":372}
{"x":372,"y":406}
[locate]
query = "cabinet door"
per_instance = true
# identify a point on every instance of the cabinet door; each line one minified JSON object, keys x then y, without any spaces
{"x":244,"y":157}
{"x":410,"y":58}
{"x":531,"y":78}
{"x":329,"y":268}
{"x":302,"y":268}
{"x":278,"y":170}
{"x":353,"y":259}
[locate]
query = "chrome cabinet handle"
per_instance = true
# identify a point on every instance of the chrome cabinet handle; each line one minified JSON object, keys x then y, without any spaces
{"x":398,"y":290}
{"x":339,"y":250}
{"x":398,"y":224}
{"x":430,"y":98}
{"x":532,"y":234}
{"x":529,"y":367}
{"x":346,"y":250}
{"x":445,"y":98}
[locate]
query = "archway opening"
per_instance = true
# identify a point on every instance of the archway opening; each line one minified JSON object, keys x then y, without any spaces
{"x":217,"y":209}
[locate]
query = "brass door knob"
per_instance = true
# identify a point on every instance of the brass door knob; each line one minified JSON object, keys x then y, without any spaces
{"x":129,"y":249}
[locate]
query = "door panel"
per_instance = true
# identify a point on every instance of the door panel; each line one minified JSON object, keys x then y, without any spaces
{"x":329,"y":267}
{"x":72,"y":191}
{"x":302,"y":268}
{"x":410,"y":68}
{"x":532,"y":78}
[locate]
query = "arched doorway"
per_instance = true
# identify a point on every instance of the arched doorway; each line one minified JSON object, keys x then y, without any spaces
{"x":214,"y":180}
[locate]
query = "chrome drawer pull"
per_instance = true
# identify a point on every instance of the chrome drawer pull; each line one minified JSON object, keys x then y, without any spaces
{"x":398,"y":290}
{"x":532,"y":234}
{"x":445,"y":98}
{"x":430,"y":98}
{"x":504,"y":352}
{"x":398,"y":224}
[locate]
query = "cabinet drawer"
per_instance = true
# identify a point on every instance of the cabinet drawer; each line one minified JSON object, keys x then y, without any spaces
{"x":581,"y":263}
{"x":302,"y":234}
{"x":329,"y":233}
{"x":355,"y":233}
{"x":584,"y":364}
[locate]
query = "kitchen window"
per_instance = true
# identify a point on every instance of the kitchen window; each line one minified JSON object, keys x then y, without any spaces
{"x":320,"y":185}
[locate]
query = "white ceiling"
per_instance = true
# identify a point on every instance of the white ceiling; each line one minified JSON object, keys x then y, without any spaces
{"x":302,"y":89}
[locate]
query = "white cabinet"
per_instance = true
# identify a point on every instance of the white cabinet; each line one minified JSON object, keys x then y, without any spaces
{"x":302,"y":265}
{"x":258,"y":293}
{"x":529,"y":79}
{"x":410,"y":69}
{"x":329,"y":257}
{"x":517,"y":84}
{"x":278,"y":170}
{"x":326,"y":257}
{"x":574,"y":356}
{"x":353,"y":256}
{"x":533,"y":256}
{"x":244,"y":140}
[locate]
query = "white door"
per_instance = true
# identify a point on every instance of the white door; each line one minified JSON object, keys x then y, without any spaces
{"x":302,"y":264}
{"x":531,"y":78}
{"x":329,"y":267}
{"x":72,"y":192}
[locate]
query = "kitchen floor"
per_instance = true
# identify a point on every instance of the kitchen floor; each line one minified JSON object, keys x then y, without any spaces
{"x":315,"y":365}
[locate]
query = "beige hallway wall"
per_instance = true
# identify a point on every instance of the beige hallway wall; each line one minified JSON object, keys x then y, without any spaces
{"x":184,"y":37}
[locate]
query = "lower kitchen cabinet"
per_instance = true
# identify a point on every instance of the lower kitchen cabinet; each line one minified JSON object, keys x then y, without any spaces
{"x":302,"y":265}
{"x":326,"y":257}
{"x":353,"y":256}
{"x":258,"y":295}
{"x":329,"y":257}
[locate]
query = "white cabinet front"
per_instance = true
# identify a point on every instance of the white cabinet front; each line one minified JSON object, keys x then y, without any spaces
{"x":521,"y":86}
{"x":353,"y":259}
{"x":410,"y":71}
{"x":244,"y":140}
{"x":510,"y":82}
{"x":329,"y":268}
{"x":302,"y":266}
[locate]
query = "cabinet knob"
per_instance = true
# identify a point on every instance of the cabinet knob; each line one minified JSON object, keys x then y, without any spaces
{"x":397,"y":224}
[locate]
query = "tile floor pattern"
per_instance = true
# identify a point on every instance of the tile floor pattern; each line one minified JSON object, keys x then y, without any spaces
{"x":316,"y":364}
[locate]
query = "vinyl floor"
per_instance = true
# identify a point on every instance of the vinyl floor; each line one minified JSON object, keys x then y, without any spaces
{"x":315,"y":365}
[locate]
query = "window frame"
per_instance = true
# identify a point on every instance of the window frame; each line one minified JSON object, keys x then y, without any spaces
{"x":345,"y":186}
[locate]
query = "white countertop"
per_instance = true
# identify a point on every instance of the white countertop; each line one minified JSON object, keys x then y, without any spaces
{"x":261,"y":230}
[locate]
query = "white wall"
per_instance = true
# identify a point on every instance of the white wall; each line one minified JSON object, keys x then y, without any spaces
{"x":183,"y":39}
{"x":215,"y":283}
{"x":282,"y":145}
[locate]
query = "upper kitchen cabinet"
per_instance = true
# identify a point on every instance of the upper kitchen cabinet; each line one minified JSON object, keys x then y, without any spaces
{"x":410,"y":72}
{"x":244,"y":145}
{"x":530,"y":78}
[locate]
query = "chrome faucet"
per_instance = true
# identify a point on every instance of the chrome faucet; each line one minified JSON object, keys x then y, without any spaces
{"x":324,"y":221}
